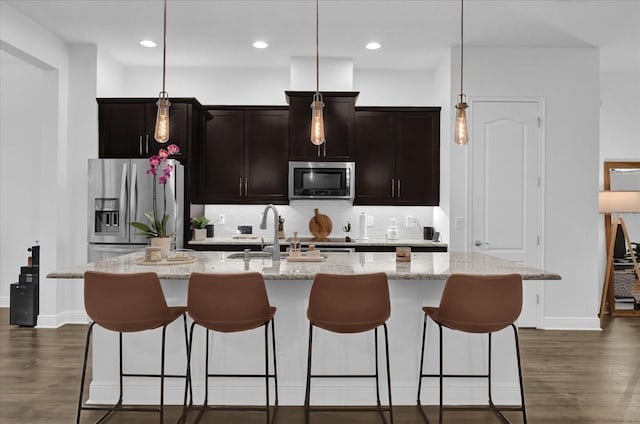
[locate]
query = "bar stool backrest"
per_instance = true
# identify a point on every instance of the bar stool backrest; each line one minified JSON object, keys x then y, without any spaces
{"x":480,"y":303}
{"x":349,"y":303}
{"x":228,"y":302}
{"x":125,"y":302}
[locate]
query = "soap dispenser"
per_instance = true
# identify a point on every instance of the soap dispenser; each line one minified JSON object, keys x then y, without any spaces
{"x":392,"y":231}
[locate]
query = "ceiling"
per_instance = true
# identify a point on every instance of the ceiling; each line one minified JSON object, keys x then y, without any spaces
{"x":414,"y":34}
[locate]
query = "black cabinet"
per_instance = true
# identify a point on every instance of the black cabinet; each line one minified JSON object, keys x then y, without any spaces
{"x":127,"y":125}
{"x":397,"y":156}
{"x":244,"y":156}
{"x":338,"y":122}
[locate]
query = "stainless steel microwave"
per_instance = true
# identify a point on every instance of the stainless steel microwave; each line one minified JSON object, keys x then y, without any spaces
{"x":321,"y":180}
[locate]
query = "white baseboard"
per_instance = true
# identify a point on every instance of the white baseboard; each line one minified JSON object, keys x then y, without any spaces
{"x":467,"y":392}
{"x":4,"y":301}
{"x":66,"y":317}
{"x":574,"y":323}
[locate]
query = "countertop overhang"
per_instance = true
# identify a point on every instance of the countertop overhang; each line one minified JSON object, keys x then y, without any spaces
{"x":423,"y":266}
{"x":330,"y":242}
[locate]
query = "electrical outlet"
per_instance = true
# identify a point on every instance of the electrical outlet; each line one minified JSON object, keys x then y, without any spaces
{"x":369,"y":220}
{"x":409,"y":220}
{"x":221,"y":219}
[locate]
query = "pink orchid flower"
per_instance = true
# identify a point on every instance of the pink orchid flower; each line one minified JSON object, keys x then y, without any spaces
{"x":173,"y":149}
{"x":154,"y":161}
{"x":163,"y":154}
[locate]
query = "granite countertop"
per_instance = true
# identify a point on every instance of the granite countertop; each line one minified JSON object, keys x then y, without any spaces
{"x":331,"y":241}
{"x":423,"y":266}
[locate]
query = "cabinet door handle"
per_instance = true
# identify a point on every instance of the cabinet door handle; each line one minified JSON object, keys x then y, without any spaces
{"x":240,"y":187}
{"x":398,"y":187}
{"x":393,"y":188}
{"x":147,"y":143}
{"x":246,"y":183}
{"x":140,"y":145}
{"x":325,"y":148}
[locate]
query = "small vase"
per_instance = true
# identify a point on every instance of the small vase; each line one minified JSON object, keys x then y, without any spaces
{"x":199,"y":234}
{"x":163,"y":243}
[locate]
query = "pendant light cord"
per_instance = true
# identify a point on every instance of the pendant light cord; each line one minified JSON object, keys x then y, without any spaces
{"x":461,"y":44}
{"x":164,"y":47}
{"x":317,"y":52}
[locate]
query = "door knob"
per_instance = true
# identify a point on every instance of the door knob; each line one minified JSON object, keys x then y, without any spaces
{"x":478,"y":243}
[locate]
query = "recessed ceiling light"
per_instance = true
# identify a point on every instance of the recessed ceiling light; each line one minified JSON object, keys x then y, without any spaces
{"x":260,"y":44}
{"x":374,"y":45}
{"x":147,"y":43}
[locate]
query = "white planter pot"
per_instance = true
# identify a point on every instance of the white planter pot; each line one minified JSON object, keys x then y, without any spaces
{"x":199,"y":234}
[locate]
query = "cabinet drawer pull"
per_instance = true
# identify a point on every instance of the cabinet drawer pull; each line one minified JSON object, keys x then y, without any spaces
{"x":246,"y":183}
{"x":140,"y":145}
{"x":147,"y":143}
{"x":240,"y":187}
{"x":393,"y":188}
{"x":398,"y":187}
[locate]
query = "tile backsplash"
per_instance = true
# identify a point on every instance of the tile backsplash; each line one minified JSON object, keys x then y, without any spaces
{"x":298,"y":214}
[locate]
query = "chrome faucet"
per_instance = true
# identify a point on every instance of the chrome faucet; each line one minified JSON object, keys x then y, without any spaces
{"x":263,"y":226}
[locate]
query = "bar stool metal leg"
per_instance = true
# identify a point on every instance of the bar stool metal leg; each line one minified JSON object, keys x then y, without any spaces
{"x":205,"y":406}
{"x":498,"y":410}
{"x":386,"y":346}
{"x":308,"y":388}
{"x":424,"y":334}
{"x":379,"y":408}
{"x":517,"y":343}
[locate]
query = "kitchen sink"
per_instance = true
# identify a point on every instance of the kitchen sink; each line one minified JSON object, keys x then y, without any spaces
{"x":255,"y":255}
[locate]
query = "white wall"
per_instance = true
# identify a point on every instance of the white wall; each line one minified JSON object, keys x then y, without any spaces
{"x":336,"y":74}
{"x":110,"y":76}
{"x":619,"y":116}
{"x":568,"y":81}
{"x":83,"y":141}
{"x":21,"y":84}
{"x":211,"y":86}
{"x":24,"y":38}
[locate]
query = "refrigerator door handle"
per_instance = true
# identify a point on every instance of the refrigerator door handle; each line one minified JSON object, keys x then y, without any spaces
{"x":123,"y":200}
{"x":133,"y":204}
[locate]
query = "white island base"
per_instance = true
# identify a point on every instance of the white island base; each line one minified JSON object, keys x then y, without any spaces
{"x":412,"y":286}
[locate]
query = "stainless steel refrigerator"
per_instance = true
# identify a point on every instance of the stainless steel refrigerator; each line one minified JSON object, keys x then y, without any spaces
{"x":120,"y":191}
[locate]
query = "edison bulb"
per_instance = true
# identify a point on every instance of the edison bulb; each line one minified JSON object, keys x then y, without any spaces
{"x":461,"y":133}
{"x":162,"y":120}
{"x":317,"y":122}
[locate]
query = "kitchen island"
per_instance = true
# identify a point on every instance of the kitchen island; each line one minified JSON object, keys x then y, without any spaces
{"x":412,"y":285}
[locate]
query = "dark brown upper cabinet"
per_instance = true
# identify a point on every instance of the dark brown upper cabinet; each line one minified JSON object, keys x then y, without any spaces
{"x":338,"y":124}
{"x":398,"y":156}
{"x":127,"y":125}
{"x":244,"y":158}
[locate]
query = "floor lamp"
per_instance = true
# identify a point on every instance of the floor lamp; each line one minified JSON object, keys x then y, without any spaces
{"x":617,"y":202}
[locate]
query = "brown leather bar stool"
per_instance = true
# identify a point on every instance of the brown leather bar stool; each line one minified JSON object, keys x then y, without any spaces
{"x":127,"y":303}
{"x":481,"y":304}
{"x":230,"y":303}
{"x":349,"y":304}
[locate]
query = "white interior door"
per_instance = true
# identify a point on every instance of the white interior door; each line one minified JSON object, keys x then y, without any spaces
{"x":505,"y":187}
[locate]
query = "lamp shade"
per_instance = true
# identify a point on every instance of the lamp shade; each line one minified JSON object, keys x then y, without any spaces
{"x":619,"y":202}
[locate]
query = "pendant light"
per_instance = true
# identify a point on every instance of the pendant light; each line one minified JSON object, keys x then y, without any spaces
{"x":162,"y":119}
{"x":317,"y":121}
{"x":461,"y":133}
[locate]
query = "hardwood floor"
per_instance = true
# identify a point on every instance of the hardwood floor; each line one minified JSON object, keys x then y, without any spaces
{"x":581,"y":377}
